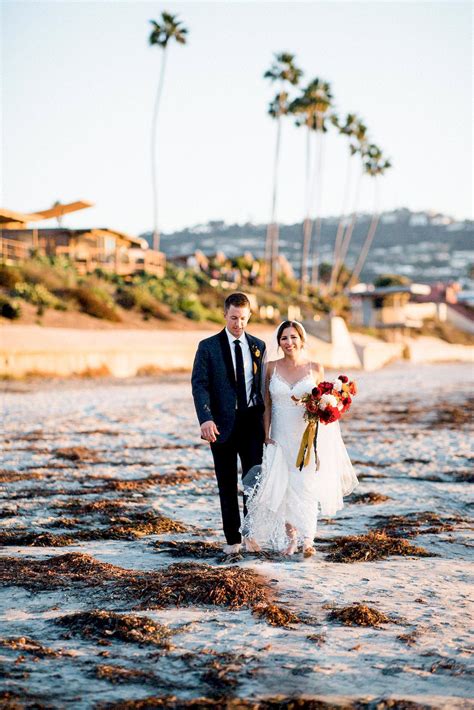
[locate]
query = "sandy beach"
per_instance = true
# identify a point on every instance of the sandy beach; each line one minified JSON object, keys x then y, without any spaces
{"x":113,"y":589}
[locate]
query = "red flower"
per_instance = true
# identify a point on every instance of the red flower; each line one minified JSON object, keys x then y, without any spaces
{"x":329,"y":415}
{"x":312,"y":406}
{"x":353,"y":388}
{"x":316,"y":392}
{"x":325,"y":387}
{"x":343,"y":378}
{"x":347,"y":401}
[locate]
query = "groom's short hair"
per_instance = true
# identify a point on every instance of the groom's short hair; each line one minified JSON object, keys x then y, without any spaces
{"x":238,"y":299}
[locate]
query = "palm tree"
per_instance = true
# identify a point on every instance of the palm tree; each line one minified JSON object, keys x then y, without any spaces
{"x":284,"y":71}
{"x":168,"y":28}
{"x":356,"y":130}
{"x":375,"y":165}
{"x":311,"y":109}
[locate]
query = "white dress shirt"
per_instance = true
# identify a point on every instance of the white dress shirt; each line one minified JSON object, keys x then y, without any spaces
{"x":248,"y":364}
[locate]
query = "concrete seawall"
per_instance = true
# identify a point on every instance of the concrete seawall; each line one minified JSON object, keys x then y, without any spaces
{"x":28,"y":350}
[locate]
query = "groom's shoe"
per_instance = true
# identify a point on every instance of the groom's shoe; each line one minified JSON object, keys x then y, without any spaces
{"x":232,"y":549}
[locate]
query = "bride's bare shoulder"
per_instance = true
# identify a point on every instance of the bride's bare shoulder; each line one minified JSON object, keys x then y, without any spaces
{"x":317,"y":367}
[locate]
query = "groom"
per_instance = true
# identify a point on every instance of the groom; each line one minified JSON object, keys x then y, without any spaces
{"x":227,"y":390}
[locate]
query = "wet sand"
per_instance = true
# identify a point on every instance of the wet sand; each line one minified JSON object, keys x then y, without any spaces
{"x":114,"y":589}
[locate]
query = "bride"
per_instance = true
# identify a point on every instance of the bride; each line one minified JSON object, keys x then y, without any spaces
{"x":283,"y":502}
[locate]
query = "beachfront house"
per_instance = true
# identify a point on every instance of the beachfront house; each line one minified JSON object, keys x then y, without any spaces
{"x":399,"y":309}
{"x":89,"y":249}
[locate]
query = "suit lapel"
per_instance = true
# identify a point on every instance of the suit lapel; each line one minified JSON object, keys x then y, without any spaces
{"x":227,"y":356}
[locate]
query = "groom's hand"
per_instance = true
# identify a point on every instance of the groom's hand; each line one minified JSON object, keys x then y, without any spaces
{"x":209,"y":431}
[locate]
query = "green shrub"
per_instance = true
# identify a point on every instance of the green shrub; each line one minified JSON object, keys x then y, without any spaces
{"x":9,"y":309}
{"x":126,"y":298}
{"x":41,"y":271}
{"x":92,"y":304}
{"x":9,"y":276}
{"x":38,"y":295}
{"x":192,"y":308}
{"x":148,"y":304}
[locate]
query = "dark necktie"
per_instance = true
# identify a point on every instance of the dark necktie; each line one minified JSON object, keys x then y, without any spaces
{"x":240,"y":372}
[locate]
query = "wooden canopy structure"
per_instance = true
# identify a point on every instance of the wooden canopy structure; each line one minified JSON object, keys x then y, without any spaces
{"x":89,"y":249}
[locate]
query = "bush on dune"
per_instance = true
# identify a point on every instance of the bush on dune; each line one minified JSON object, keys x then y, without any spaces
{"x":9,"y":308}
{"x":94,"y":305}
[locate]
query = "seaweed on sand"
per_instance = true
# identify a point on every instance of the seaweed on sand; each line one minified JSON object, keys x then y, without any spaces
{"x":23,"y":701}
{"x":28,"y":645}
{"x":188,"y":548}
{"x":34,"y":539}
{"x":101,"y":624}
{"x":389,"y":704}
{"x":189,"y":583}
{"x":59,"y":572}
{"x":360,"y":615}
{"x":104,"y":508}
{"x":76,"y":453}
{"x":234,"y":703}
{"x":372,"y":546}
{"x":278,"y":615}
{"x":369,"y":498}
{"x":119,"y":674}
{"x":7,"y":476}
{"x":418,"y":523}
{"x":185,"y":583}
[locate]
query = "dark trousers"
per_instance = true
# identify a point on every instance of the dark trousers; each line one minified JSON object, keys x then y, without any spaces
{"x":246,"y":442}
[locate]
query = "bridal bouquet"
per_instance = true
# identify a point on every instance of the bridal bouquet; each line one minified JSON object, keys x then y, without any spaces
{"x":326,"y":403}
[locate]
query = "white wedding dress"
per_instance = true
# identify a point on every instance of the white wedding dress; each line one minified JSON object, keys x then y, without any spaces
{"x":282,"y":493}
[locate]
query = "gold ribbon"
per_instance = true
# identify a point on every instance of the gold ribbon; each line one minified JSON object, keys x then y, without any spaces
{"x":308,"y":441}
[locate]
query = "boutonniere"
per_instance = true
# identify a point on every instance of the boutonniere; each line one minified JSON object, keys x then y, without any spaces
{"x":256,"y":351}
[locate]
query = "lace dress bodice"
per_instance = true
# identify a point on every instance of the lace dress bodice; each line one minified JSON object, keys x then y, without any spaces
{"x":287,"y":415}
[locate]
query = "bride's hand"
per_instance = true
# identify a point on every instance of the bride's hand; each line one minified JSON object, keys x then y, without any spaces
{"x":269,"y":441}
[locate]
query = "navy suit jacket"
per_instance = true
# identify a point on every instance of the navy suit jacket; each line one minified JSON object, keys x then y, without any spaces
{"x":213,"y":381}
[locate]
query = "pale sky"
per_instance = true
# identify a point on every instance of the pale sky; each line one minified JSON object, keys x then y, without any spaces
{"x":80,"y":80}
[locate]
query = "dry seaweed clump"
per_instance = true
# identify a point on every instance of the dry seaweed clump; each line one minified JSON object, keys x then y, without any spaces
{"x":389,"y":704}
{"x":188,"y":583}
{"x":119,"y":674}
{"x":132,"y":527}
{"x":419,"y":523}
{"x":108,"y":625}
{"x":58,"y":572}
{"x":233,"y":703}
{"x":28,"y":645}
{"x":360,"y":615}
{"x":188,"y":548}
{"x":76,"y":453}
{"x":23,"y":701}
{"x":370,"y":547}
{"x":34,"y":539}
{"x":369,"y":498}
{"x":276,"y":615}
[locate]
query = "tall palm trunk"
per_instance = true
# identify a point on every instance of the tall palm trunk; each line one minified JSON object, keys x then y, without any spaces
{"x":271,"y":244}
{"x":307,"y":224}
{"x":369,"y":238}
{"x":348,"y":231}
{"x":341,"y":225}
{"x":154,"y":129}
{"x":319,"y":193}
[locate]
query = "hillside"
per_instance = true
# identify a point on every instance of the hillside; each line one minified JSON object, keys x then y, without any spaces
{"x":423,"y":246}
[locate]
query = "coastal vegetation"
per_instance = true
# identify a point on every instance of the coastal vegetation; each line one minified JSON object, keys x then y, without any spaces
{"x":54,"y":283}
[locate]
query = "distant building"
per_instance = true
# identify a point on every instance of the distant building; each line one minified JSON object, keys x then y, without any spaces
{"x":89,"y":249}
{"x":401,"y":308}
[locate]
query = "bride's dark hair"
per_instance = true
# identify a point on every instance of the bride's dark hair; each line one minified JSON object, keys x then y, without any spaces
{"x":290,"y":324}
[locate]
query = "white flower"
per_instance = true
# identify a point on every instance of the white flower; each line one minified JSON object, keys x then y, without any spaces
{"x":340,"y":406}
{"x":327,"y":400}
{"x":337,"y":384}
